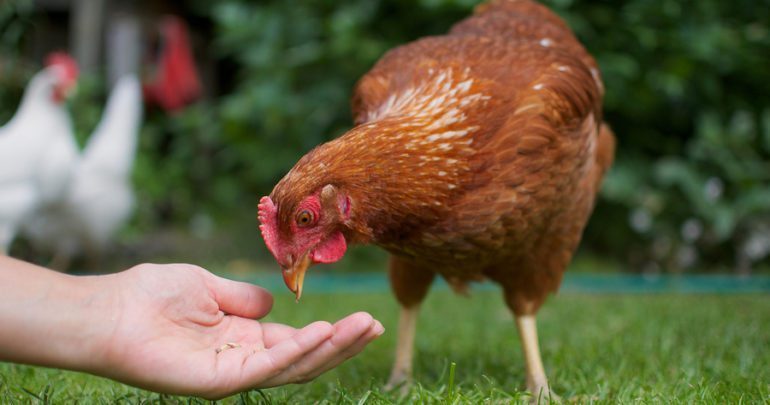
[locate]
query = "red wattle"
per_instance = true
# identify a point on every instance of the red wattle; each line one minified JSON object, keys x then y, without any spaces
{"x":330,"y":250}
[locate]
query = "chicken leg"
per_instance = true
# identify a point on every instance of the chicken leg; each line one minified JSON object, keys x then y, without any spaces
{"x":402,"y":367}
{"x":537,"y":383}
{"x":410,"y":283}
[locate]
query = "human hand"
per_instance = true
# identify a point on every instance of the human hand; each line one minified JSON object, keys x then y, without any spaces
{"x":182,"y":330}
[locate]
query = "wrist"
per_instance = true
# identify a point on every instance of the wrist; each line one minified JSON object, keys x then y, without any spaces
{"x":94,"y":302}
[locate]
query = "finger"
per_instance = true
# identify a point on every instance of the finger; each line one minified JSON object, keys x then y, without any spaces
{"x":347,"y":333}
{"x":376,"y":331}
{"x":240,"y":299}
{"x":274,"y":333}
{"x":230,"y":359}
{"x":260,"y":369}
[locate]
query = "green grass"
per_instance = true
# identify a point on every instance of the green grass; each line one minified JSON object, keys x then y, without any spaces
{"x":601,"y":349}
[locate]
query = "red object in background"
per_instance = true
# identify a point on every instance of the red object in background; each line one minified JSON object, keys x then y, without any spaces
{"x":176,"y":82}
{"x":67,"y":76}
{"x":65,"y":61}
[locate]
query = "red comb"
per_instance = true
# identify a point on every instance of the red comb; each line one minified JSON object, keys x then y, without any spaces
{"x":66,"y":62}
{"x":268,"y":218}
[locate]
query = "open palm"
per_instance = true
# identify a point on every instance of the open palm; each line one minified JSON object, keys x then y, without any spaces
{"x":180,"y":329}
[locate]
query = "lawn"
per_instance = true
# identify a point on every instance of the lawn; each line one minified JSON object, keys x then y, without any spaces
{"x":655,"y":348}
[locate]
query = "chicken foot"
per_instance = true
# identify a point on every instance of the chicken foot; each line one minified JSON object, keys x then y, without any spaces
{"x":402,"y":368}
{"x":537,"y":383}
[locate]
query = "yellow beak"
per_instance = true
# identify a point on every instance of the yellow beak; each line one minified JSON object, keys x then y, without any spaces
{"x":294,"y":276}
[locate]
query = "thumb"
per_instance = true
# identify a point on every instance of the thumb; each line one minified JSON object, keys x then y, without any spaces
{"x":240,"y":299}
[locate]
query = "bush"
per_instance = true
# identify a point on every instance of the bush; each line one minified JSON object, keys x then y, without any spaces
{"x":688,"y":96}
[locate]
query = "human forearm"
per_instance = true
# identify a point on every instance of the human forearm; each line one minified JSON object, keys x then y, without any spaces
{"x":52,"y":319}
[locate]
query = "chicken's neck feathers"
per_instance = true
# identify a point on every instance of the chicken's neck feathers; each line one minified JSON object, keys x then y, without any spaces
{"x":403,"y":166}
{"x":38,"y":103}
{"x":394,"y":184}
{"x":38,"y":142}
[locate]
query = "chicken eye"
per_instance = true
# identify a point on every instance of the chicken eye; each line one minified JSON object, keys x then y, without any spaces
{"x":304,"y":218}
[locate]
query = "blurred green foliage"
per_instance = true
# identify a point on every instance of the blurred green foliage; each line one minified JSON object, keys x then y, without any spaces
{"x":688,"y":95}
{"x":14,"y":23}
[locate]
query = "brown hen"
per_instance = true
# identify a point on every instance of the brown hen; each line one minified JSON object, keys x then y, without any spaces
{"x":477,"y":154}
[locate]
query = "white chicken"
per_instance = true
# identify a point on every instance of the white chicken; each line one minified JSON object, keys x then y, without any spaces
{"x":100,"y":198}
{"x":37,"y":147}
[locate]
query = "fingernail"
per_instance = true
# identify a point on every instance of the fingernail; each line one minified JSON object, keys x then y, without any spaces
{"x":378,"y":328}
